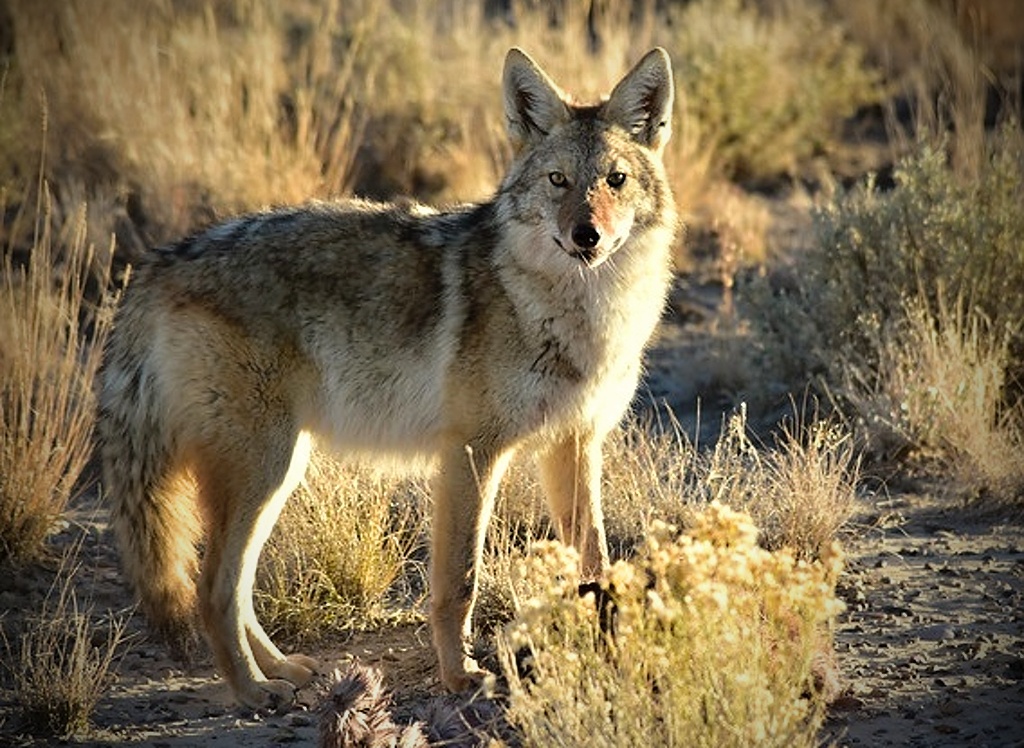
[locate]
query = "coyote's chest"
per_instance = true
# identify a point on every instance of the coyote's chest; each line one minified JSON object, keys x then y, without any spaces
{"x":583,"y":367}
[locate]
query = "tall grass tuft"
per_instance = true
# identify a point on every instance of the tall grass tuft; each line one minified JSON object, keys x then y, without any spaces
{"x":53,"y":340}
{"x":344,"y":538}
{"x":64,"y":659}
{"x":711,"y":643}
{"x":941,"y":386}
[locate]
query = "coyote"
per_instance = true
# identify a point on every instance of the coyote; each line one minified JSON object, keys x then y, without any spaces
{"x":394,"y":331}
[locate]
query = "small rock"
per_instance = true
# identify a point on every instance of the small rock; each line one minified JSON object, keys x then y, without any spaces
{"x":937,"y":632}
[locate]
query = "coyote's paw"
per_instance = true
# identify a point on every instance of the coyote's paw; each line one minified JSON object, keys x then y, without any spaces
{"x":295,"y":668}
{"x":467,"y":677}
{"x":274,"y":695}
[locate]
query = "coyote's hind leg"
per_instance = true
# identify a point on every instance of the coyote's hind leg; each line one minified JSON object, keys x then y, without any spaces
{"x":243,"y":492}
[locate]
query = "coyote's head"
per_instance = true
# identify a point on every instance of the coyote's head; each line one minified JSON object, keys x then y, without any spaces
{"x":586,"y":178}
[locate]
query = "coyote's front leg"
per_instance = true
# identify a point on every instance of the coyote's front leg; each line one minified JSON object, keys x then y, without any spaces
{"x":570,"y":472}
{"x":464,"y":491}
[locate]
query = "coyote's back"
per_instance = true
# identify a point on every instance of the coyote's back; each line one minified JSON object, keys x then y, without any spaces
{"x":390,"y":330}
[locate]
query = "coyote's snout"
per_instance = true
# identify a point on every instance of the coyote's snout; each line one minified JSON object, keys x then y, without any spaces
{"x":594,"y":223}
{"x":462,"y":336}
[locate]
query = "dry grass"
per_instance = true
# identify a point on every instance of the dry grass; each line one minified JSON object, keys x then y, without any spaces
{"x":712,"y":643}
{"x":343,"y":541}
{"x":908,"y":311}
{"x":938,"y":67}
{"x":800,"y":491}
{"x":942,"y":387}
{"x":53,"y":339}
{"x":190,"y":113}
{"x":183,"y":111}
{"x":63,"y":661}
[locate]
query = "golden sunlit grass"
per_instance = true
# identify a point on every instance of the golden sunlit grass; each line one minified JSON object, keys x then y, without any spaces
{"x":711,"y":643}
{"x":942,"y":386}
{"x":188,"y":110}
{"x":192,"y":112}
{"x":344,"y":538}
{"x":800,"y":490}
{"x":53,"y":339}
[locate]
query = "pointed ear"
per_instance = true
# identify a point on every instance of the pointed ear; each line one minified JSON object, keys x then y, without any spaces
{"x":642,"y":101}
{"x":533,"y":103}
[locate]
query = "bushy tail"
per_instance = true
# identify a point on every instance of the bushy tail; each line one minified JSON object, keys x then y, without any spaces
{"x":152,"y":511}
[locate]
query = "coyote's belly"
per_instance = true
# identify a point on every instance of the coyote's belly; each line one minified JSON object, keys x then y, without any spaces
{"x":391,"y":405}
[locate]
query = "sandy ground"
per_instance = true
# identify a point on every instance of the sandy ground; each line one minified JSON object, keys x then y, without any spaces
{"x":931,"y":648}
{"x":932,"y":644}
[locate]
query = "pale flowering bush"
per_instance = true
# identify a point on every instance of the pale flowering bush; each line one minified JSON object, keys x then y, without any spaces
{"x":711,"y":642}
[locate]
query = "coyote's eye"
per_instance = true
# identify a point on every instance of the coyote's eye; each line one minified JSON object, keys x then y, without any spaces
{"x":558,"y":179}
{"x":616,"y":179}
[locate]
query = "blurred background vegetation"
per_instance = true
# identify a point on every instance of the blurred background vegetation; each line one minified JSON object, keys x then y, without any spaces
{"x":166,"y":114}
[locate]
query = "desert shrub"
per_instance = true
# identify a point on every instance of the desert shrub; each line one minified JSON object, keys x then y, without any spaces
{"x":343,"y":540}
{"x":52,"y":344}
{"x":925,"y":276}
{"x":712,"y":643}
{"x":940,"y":386}
{"x":934,"y":237}
{"x":767,"y":85}
{"x":63,"y":661}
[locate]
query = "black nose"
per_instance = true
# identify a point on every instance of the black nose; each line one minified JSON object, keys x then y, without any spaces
{"x":585,"y":236}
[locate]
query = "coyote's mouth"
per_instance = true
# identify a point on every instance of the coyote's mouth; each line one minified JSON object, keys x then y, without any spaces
{"x":589,"y":256}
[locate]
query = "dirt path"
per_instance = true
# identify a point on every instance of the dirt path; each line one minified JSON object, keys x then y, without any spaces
{"x":932,"y":643}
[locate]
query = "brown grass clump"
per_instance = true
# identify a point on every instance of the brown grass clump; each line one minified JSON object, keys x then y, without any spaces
{"x":63,"y":662}
{"x":344,"y":539}
{"x":53,"y":339}
{"x":711,"y":643}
